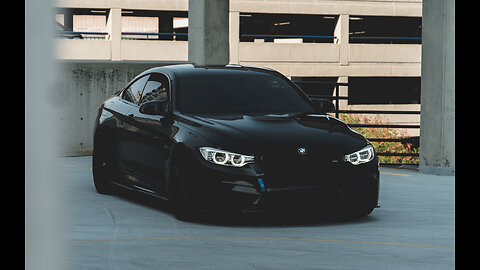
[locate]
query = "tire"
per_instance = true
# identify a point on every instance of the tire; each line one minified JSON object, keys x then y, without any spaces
{"x":361,"y":203}
{"x":102,"y":170}
{"x":351,"y":212}
{"x":182,"y":204}
{"x":359,"y":212}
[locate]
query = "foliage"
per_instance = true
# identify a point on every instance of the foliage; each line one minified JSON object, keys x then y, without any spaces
{"x":384,"y":133}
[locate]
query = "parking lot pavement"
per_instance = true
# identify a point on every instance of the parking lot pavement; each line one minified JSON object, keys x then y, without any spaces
{"x":413,"y":229}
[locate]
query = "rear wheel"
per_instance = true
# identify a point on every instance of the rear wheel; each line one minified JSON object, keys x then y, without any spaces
{"x":102,"y":169}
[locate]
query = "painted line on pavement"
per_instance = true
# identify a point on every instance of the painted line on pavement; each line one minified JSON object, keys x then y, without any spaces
{"x":264,"y":239}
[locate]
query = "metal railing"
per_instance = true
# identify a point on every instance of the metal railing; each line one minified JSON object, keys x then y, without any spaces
{"x":316,"y":38}
{"x":66,"y":34}
{"x":387,"y":40}
{"x":148,"y":34}
{"x":312,"y":37}
{"x":84,"y":34}
{"x":81,"y":33}
{"x":336,"y":99}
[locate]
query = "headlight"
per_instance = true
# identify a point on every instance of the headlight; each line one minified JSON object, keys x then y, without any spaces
{"x":222,"y":157}
{"x":362,"y":156}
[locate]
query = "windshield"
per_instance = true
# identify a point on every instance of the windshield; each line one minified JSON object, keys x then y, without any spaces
{"x":238,"y":92}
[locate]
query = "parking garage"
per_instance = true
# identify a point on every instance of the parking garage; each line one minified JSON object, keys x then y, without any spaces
{"x":413,"y":228}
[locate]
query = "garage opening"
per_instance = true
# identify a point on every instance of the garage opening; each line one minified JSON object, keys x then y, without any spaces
{"x":385,"y":30}
{"x":321,"y":87}
{"x":156,"y":25}
{"x":383,"y":90}
{"x":287,"y":28}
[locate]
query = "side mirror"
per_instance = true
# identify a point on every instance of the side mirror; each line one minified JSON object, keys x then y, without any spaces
{"x":156,"y":107}
{"x":323,"y":106}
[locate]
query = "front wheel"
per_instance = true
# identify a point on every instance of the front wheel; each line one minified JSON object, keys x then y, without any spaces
{"x":182,"y":199}
{"x":358,"y":212}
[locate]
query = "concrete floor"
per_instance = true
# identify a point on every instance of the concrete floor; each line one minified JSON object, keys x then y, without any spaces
{"x":413,"y":229}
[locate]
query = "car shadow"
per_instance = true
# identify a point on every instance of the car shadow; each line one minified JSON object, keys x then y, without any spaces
{"x":254,"y":219}
{"x":278,"y":219}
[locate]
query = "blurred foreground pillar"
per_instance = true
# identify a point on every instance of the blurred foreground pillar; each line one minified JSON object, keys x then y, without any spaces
{"x":437,"y":122}
{"x":43,"y":230}
{"x":208,"y":40}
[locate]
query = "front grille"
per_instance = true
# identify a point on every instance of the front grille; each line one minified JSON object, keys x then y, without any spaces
{"x":313,"y":169}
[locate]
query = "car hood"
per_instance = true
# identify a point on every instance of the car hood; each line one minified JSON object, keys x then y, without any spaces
{"x":271,"y":133}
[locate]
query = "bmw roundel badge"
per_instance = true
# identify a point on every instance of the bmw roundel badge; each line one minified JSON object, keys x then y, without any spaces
{"x":302,"y":150}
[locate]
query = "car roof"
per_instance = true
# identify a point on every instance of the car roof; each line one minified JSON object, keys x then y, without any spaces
{"x":190,"y":69}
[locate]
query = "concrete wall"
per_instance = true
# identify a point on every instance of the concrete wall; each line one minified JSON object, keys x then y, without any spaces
{"x":128,"y":50}
{"x":82,"y":88}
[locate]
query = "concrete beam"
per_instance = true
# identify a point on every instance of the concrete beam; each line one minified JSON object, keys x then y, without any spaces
{"x":208,"y":40}
{"x":437,"y":132}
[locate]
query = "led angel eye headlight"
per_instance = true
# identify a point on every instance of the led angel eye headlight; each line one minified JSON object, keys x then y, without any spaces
{"x":363,"y":156}
{"x":238,"y":160}
{"x":225,"y":158}
{"x":220,"y":158}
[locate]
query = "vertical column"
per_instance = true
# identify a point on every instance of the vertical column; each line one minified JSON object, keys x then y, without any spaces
{"x":45,"y":237}
{"x":437,"y":119}
{"x":208,"y":23}
{"x":114,"y":28}
{"x":165,"y":25}
{"x":343,"y":92}
{"x":341,"y":32}
{"x":68,"y":19}
{"x":234,"y":36}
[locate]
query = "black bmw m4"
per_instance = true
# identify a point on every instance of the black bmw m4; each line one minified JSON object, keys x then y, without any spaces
{"x":233,"y":138}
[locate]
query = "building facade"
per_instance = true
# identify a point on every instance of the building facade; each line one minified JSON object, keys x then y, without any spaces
{"x":374,"y":45}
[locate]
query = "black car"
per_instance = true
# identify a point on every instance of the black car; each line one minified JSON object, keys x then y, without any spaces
{"x":231,"y":138}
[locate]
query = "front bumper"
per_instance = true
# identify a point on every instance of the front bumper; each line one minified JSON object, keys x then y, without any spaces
{"x":252,"y":189}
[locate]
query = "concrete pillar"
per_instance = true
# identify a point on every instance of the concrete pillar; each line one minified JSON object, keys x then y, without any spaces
{"x":44,"y":234}
{"x":165,"y":25}
{"x":343,"y":92}
{"x":114,"y":28}
{"x":341,"y":32}
{"x":234,"y":36}
{"x":437,"y":120}
{"x":208,"y":38}
{"x":68,"y":19}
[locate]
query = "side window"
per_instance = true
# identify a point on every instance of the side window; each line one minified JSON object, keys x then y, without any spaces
{"x":156,"y":88}
{"x":134,"y":91}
